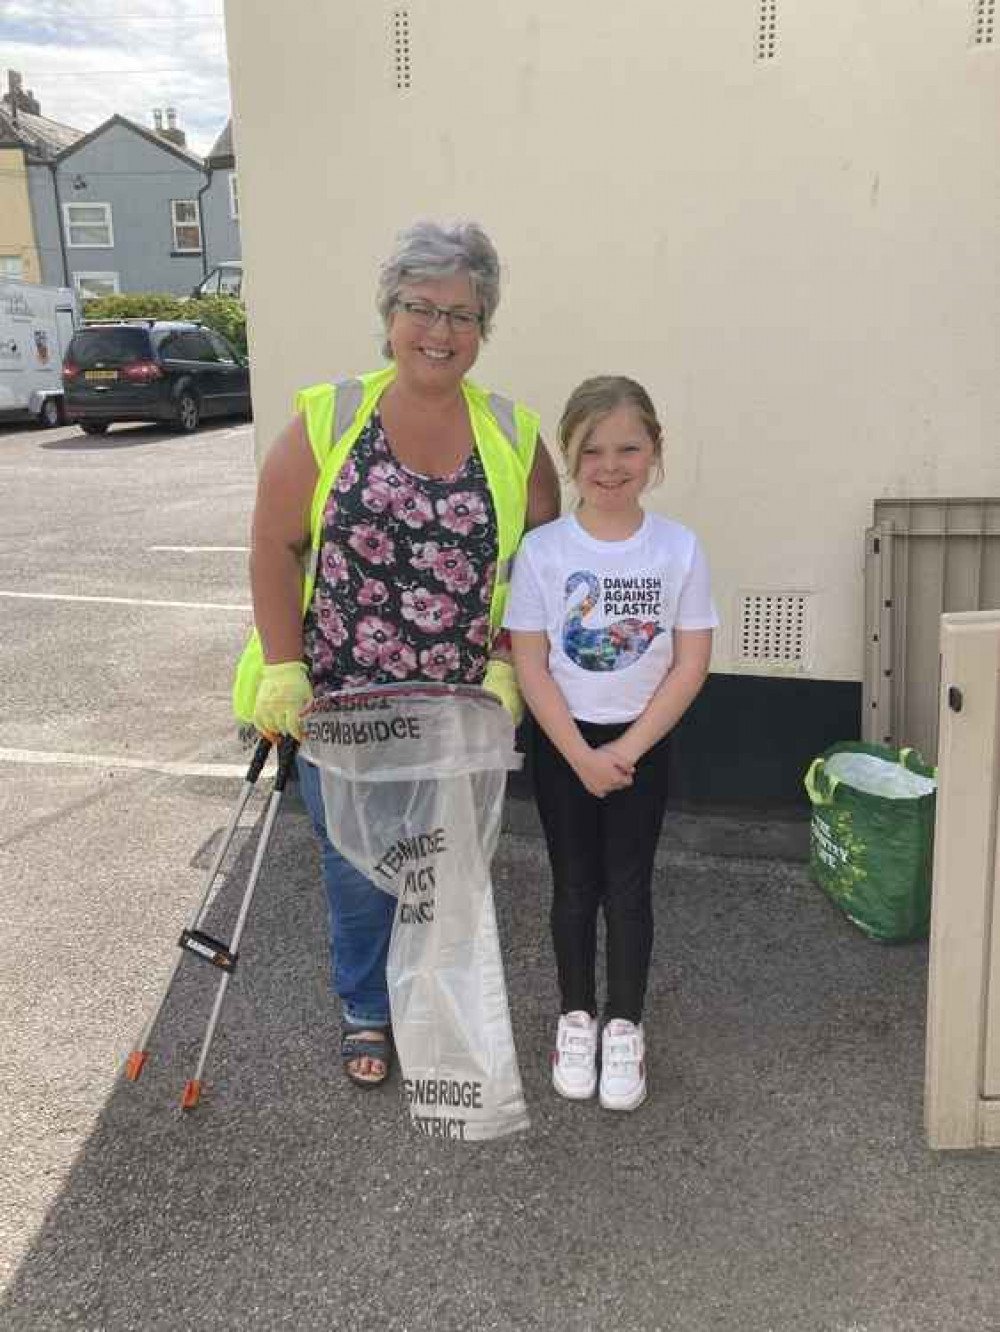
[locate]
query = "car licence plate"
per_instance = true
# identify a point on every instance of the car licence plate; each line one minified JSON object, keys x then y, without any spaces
{"x":100,"y":374}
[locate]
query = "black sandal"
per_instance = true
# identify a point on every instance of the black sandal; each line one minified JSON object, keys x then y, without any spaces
{"x":358,"y":1042}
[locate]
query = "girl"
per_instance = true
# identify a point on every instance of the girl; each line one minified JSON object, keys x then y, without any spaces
{"x":611,"y":619}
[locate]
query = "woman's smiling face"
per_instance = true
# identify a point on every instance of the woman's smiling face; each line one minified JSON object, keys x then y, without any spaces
{"x":438,"y":356}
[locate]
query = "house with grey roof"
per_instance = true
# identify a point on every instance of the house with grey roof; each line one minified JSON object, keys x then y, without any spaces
{"x":27,"y":139}
{"x":42,"y":137}
{"x":125,"y":207}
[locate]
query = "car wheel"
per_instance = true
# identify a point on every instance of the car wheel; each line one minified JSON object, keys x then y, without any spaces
{"x":51,"y":414}
{"x":188,"y":413}
{"x":94,"y":427}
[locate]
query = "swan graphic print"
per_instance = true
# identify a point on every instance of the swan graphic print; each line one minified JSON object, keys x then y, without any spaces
{"x":631,"y":607}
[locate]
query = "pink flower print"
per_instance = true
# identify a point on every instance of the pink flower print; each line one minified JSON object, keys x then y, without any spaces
{"x":444,"y":610}
{"x":454,"y":569}
{"x":348,"y":476}
{"x":330,"y":621}
{"x":373,"y":593}
{"x":439,"y":661}
{"x":411,"y":507}
{"x":461,"y":512}
{"x":448,"y":564}
{"x":475,"y":670}
{"x":424,"y":554}
{"x":429,"y":611}
{"x":333,"y":565}
{"x":478,"y":631}
{"x":382,"y":484}
{"x":397,"y":659}
{"x":486,"y":588}
{"x":417,"y":605}
{"x":371,"y":544}
{"x":372,"y":637}
{"x":322,"y":657}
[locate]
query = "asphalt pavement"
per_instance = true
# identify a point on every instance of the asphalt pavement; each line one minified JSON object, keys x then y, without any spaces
{"x":777,"y":1180}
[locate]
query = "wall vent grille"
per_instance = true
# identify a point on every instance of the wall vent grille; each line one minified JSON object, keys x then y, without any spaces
{"x":773,"y":628}
{"x":401,"y":48}
{"x":984,"y":23}
{"x":766,"y":46}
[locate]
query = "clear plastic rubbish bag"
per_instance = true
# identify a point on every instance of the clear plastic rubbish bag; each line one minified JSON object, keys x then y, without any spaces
{"x":413,"y":782}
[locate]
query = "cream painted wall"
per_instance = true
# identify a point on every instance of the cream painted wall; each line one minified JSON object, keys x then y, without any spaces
{"x":17,"y":231}
{"x":798,"y":256}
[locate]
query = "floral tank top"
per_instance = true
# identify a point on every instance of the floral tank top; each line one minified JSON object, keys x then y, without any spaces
{"x":405,"y":573}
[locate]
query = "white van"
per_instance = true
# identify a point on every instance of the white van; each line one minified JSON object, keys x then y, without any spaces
{"x":36,"y":324}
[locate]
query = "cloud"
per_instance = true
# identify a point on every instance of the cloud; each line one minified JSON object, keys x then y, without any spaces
{"x":85,"y":62}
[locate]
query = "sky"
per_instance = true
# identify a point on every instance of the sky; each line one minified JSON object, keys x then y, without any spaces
{"x":86,"y":60}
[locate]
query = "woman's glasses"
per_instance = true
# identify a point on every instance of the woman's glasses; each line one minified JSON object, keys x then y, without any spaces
{"x":426,"y":315}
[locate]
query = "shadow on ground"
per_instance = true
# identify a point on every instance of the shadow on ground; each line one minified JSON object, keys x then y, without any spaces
{"x":776,"y":1180}
{"x":134,"y":436}
{"x":128,"y":437}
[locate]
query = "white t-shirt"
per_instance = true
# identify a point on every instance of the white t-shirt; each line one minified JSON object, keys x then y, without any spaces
{"x":609,"y":609}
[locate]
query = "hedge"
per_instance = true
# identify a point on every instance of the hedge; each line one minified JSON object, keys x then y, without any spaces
{"x":223,"y":313}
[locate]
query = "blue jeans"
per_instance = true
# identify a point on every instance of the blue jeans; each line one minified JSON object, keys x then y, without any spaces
{"x":360,"y":917}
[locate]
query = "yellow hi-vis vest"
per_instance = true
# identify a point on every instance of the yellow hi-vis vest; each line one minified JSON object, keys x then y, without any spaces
{"x":335,"y":415}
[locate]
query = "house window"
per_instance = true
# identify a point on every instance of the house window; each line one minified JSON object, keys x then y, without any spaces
{"x":234,"y":197}
{"x":11,"y":265}
{"x":89,"y":226}
{"x":91,"y":285}
{"x":186,"y":226}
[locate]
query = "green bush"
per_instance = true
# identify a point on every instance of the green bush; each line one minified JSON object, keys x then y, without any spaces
{"x":223,"y":313}
{"x":142,"y":305}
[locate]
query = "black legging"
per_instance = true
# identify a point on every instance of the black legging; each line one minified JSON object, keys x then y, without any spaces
{"x":601,"y":851}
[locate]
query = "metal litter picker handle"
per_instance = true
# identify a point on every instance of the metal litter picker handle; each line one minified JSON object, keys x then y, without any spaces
{"x":195,"y":941}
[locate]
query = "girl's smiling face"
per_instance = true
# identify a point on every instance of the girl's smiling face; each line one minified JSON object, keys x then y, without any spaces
{"x":613,"y":460}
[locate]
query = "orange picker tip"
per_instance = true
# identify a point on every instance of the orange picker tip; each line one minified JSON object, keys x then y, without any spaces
{"x":135,"y":1064}
{"x":192,"y":1094}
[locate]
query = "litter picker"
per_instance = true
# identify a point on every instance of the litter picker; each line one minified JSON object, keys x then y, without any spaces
{"x":195,"y":942}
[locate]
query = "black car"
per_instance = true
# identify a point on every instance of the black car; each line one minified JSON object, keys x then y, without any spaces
{"x":152,"y":370}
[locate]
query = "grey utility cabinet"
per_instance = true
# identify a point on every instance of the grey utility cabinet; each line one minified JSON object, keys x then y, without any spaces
{"x":923,"y":558}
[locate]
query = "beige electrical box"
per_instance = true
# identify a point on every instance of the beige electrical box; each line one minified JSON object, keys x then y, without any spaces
{"x":962,"y":1104}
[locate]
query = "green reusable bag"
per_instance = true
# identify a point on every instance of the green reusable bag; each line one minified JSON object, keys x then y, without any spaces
{"x":872,"y":836}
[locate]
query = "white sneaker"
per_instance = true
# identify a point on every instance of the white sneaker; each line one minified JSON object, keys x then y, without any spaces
{"x":623,"y":1066}
{"x":574,"y":1060}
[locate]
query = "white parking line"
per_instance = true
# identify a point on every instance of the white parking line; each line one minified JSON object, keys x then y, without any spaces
{"x":42,"y":757}
{"x":129,"y":601}
{"x":198,"y":550}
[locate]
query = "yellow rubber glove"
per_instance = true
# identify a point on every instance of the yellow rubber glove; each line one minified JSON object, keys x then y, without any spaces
{"x":501,"y":682}
{"x":283,"y":694}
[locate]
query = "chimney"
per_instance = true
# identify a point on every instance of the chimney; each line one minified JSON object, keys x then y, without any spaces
{"x":19,"y":100}
{"x":172,"y":133}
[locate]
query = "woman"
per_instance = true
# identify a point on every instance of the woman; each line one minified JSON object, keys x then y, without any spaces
{"x":410,"y":488}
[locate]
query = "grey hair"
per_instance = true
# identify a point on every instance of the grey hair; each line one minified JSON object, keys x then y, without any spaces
{"x":427,"y":251}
